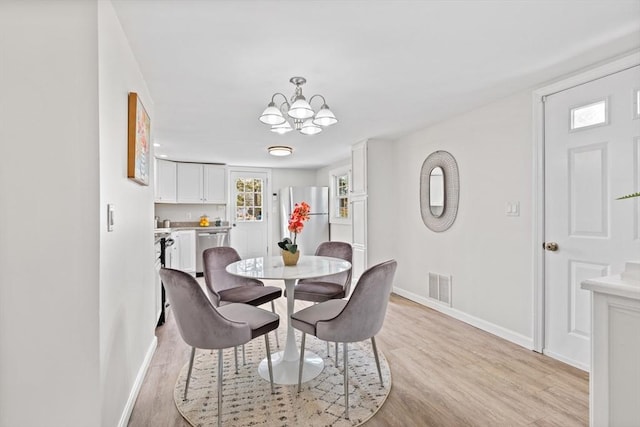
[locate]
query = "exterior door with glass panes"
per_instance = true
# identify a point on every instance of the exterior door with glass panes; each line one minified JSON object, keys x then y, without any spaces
{"x":249,"y":235}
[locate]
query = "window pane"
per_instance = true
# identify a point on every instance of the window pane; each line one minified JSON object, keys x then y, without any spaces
{"x":589,"y":115}
{"x":249,"y":199}
{"x":344,"y":208}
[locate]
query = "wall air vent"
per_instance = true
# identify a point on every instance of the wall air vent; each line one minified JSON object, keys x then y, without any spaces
{"x":440,"y":288}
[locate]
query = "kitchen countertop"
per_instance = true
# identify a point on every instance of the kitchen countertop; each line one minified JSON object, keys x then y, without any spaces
{"x":191,"y":227}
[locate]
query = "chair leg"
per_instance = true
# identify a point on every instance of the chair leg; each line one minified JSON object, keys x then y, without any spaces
{"x":235,"y":356}
{"x":375,"y":353}
{"x":301,"y":361}
{"x":266,"y":342}
{"x":345,"y":347}
{"x":220,"y":388}
{"x":337,"y":362}
{"x":186,"y":387}
{"x":244,"y":360}
{"x":328,"y":351}
{"x":275,"y":332}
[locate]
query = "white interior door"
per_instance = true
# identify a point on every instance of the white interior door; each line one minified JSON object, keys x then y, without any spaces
{"x":592,"y":153}
{"x":249,"y":213}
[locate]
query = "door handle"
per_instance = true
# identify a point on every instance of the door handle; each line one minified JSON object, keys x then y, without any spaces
{"x":550,"y":246}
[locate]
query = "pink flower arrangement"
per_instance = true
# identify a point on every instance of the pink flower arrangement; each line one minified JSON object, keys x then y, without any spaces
{"x":299,"y":215}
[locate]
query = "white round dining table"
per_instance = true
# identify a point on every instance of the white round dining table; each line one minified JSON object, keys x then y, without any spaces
{"x":286,"y":363}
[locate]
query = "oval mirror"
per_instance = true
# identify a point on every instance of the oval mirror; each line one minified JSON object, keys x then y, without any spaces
{"x":436,"y":192}
{"x":439,"y":191}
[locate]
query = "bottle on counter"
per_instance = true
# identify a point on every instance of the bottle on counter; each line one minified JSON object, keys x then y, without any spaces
{"x":218,"y":223}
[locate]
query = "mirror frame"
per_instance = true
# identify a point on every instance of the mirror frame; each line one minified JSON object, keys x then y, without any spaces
{"x":447,"y":162}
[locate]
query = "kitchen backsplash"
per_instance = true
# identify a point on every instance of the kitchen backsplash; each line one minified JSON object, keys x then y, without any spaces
{"x":189,"y":213}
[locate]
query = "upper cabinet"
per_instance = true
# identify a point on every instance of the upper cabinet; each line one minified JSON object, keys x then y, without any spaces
{"x":191,"y":182}
{"x":359,"y":169}
{"x":165,"y":181}
{"x":215,"y":184}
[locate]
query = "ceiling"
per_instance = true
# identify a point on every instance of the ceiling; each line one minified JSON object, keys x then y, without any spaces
{"x":386,"y":68}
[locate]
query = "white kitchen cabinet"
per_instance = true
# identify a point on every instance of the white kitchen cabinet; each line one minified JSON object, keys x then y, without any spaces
{"x":614,"y":382}
{"x":189,"y":183}
{"x":359,"y":169}
{"x":215,"y":184}
{"x":371,"y":192}
{"x":201,"y":183}
{"x":165,"y":181}
{"x":359,"y":235}
{"x":184,"y":251}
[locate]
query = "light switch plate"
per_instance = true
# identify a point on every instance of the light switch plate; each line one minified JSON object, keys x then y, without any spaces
{"x":512,"y":208}
{"x":110,"y":220}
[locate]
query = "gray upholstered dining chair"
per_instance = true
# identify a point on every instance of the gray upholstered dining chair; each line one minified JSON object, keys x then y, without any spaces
{"x":335,"y":286}
{"x":204,"y":326}
{"x":356,"y":319}
{"x":224,"y":288}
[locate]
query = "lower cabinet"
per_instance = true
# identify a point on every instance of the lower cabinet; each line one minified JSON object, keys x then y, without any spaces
{"x":359,"y":236}
{"x":183,"y":251}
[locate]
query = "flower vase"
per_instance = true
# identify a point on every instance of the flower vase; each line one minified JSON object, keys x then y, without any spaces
{"x":290,"y":259}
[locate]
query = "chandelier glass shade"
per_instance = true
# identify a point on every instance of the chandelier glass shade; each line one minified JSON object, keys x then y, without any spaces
{"x":297,"y":113}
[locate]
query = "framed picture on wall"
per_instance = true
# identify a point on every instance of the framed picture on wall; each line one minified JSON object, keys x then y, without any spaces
{"x":139,"y":136}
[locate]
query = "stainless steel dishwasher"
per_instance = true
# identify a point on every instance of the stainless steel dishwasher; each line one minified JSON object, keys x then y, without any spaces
{"x":206,"y":240}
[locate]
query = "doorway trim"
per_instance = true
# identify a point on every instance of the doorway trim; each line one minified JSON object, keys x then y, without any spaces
{"x":611,"y":67}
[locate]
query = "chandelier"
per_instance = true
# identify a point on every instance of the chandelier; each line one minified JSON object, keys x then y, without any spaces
{"x":301,"y":116}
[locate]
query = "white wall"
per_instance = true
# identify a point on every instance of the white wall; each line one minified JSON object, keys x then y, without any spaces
{"x":127,"y":285}
{"x":384,"y":217}
{"x":49,"y":214}
{"x":488,"y":254}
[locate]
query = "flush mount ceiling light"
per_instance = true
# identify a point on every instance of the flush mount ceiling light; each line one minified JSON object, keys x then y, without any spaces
{"x":301,"y":116}
{"x":280,"y":150}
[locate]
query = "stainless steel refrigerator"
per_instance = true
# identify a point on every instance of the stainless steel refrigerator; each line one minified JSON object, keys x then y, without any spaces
{"x":316,"y":229}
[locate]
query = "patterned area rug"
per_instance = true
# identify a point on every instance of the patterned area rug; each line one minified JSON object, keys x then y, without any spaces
{"x":247,"y":399}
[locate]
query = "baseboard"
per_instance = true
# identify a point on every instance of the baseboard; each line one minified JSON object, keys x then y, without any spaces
{"x":514,"y":337}
{"x":566,"y":360}
{"x":133,"y":395}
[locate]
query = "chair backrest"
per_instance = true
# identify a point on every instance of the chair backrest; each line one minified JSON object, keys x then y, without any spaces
{"x":340,"y":250}
{"x":214,"y":262}
{"x":198,"y":321}
{"x":363,"y":316}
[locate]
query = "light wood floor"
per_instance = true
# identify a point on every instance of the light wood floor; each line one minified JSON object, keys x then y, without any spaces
{"x":444,"y":373}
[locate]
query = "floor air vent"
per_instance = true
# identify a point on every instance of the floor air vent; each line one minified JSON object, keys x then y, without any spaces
{"x":440,"y":288}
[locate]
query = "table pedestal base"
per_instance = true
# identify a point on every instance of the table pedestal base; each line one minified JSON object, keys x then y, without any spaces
{"x":286,"y":372}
